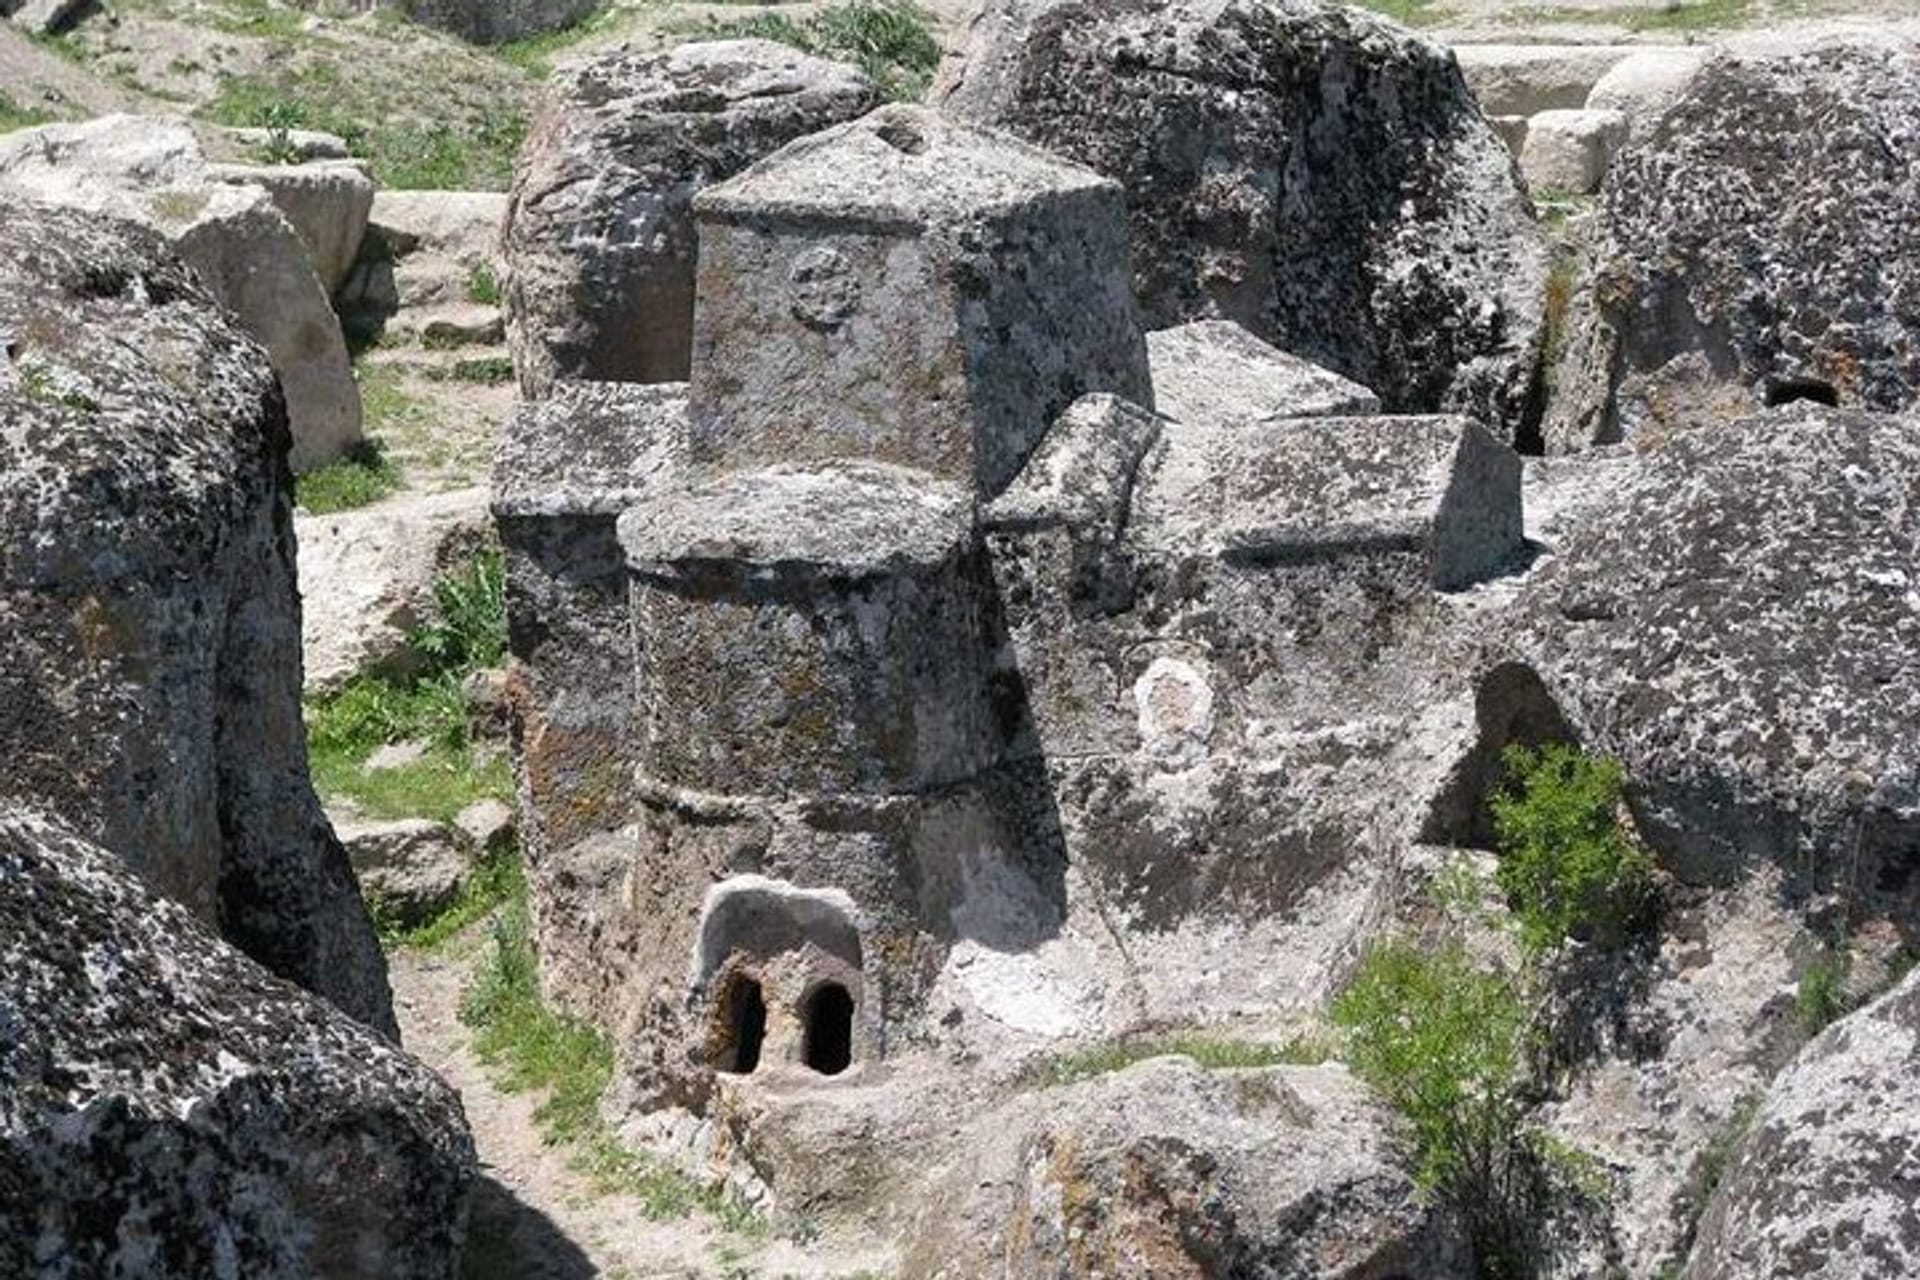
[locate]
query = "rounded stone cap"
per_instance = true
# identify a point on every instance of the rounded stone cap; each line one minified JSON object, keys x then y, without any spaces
{"x":837,"y":520}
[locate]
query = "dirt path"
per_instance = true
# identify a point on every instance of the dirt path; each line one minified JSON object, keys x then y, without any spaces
{"x":534,"y":1217}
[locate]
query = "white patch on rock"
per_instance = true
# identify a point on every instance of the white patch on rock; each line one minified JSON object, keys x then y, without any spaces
{"x":1176,"y":711}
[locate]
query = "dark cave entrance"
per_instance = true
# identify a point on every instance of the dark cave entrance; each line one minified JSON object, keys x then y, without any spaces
{"x":1788,"y":390}
{"x":744,"y":1025}
{"x":829,"y":1025}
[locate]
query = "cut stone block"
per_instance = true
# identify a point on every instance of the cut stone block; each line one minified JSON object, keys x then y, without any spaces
{"x":808,"y":632}
{"x":1568,"y":151}
{"x":1215,"y":373}
{"x":1526,"y":79}
{"x":908,"y":290}
{"x":1644,"y":84}
{"x":1512,"y":131}
{"x":1320,"y":489}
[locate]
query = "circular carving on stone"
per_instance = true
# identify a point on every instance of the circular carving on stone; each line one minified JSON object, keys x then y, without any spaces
{"x":821,"y":288}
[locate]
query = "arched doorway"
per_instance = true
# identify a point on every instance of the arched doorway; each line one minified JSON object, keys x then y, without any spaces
{"x":828,"y":1018}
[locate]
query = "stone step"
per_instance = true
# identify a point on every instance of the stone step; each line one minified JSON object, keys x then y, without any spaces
{"x":447,"y":325}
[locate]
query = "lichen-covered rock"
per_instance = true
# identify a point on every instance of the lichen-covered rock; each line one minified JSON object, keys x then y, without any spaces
{"x":1739,"y":625}
{"x":411,"y":868}
{"x":153,"y":172}
{"x":151,"y":695}
{"x":1168,"y":1172}
{"x":1317,"y":174}
{"x":1756,"y":245}
{"x":169,"y":1110}
{"x":599,"y":240}
{"x":1827,"y":1180}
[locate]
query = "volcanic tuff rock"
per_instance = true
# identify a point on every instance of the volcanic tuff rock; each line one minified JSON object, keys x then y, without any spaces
{"x":151,"y":695}
{"x":1758,"y":245}
{"x":1757,"y":681}
{"x":599,"y":239}
{"x":1165,"y":1171}
{"x":1827,"y":1180}
{"x":169,"y":1110}
{"x":1317,"y":174}
{"x":153,"y":172}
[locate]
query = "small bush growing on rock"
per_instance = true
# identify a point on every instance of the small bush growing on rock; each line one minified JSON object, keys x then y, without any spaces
{"x":1567,"y":867}
{"x":360,"y":479}
{"x":1448,"y":1044}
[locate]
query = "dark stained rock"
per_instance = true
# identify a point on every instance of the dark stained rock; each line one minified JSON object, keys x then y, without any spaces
{"x":1739,"y":624}
{"x":1317,"y":174}
{"x":170,"y":1110}
{"x":599,"y":240}
{"x":494,"y":21}
{"x":151,"y":696}
{"x":1760,"y":244}
{"x":1827,"y":1180}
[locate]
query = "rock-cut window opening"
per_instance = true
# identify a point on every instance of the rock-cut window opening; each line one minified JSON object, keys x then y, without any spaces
{"x":1791,"y":390}
{"x":744,"y":1009}
{"x":829,"y":1025}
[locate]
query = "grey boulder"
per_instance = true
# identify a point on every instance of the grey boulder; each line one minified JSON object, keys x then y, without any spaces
{"x":1827,"y":1180}
{"x":599,"y":241}
{"x":1756,"y":245}
{"x":169,"y":1110}
{"x":1320,"y":175}
{"x":151,"y":694}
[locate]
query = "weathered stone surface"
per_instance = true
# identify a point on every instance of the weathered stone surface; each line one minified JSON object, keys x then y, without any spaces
{"x":1757,"y":682}
{"x":1313,"y":489}
{"x":302,"y":144}
{"x":1827,"y":1180}
{"x":152,"y":692}
{"x":1526,"y":79}
{"x":987,"y":278}
{"x":1642,"y":85}
{"x":1567,"y":152}
{"x":412,"y":867}
{"x":1165,"y":1171}
{"x":170,"y":1110}
{"x":367,"y":578}
{"x":599,"y":241}
{"x":327,"y":204}
{"x":494,"y":21}
{"x":1317,"y":174}
{"x":152,"y":171}
{"x":488,"y":827}
{"x":1754,"y":245}
{"x":1215,"y":373}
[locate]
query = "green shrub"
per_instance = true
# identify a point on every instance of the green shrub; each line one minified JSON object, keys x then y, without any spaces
{"x":1567,"y":868}
{"x":469,"y":630}
{"x":1821,"y":999}
{"x":890,"y":40}
{"x":14,"y":116}
{"x":483,"y":286}
{"x":1448,"y":1045}
{"x":360,"y":478}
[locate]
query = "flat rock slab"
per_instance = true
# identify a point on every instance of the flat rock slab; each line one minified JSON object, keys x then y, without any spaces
{"x":1216,"y":373}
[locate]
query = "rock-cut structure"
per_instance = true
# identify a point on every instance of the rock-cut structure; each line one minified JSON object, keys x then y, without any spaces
{"x":907,"y":641}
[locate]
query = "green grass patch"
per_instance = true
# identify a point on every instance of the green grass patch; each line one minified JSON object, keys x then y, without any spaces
{"x":483,"y":286}
{"x":14,"y":116}
{"x":892,"y":41}
{"x":1821,"y":998}
{"x":360,"y":478}
{"x":536,"y":55}
{"x":486,"y":371}
{"x":345,"y":727}
{"x":405,"y":155}
{"x":1567,"y":866}
{"x":532,"y":1047}
{"x":386,"y":406}
{"x":1412,"y":13}
{"x":1211,"y":1053}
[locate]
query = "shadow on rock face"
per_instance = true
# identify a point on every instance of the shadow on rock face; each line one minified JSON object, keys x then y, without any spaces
{"x":509,"y":1239}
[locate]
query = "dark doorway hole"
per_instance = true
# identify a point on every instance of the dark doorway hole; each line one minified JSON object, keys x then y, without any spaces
{"x":1788,"y":390}
{"x":829,"y":1020}
{"x":745,"y":1028}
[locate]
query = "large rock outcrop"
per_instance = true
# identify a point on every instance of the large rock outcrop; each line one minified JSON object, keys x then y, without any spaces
{"x":599,"y":241}
{"x":151,"y":694}
{"x":1168,"y":1172}
{"x":1760,"y":244}
{"x":153,"y":172}
{"x":1317,"y":174}
{"x":169,"y":1110}
{"x":1740,"y":627}
{"x":1827,"y":1180}
{"x":491,"y":21}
